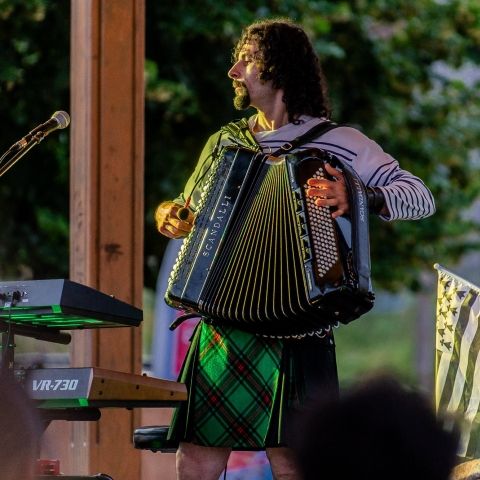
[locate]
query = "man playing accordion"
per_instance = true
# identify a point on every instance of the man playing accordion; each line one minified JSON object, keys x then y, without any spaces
{"x":243,"y":386}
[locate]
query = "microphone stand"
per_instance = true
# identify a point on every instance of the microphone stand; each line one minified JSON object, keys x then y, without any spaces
{"x":7,"y":161}
{"x":18,"y":151}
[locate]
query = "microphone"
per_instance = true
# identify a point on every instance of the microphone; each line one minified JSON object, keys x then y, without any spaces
{"x":58,"y":120}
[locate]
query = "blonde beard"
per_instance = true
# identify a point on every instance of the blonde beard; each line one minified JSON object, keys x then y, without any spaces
{"x":242,"y":102}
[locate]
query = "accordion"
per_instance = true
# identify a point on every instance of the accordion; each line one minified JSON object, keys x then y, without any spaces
{"x":264,"y":258}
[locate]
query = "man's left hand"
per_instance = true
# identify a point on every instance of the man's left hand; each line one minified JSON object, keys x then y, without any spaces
{"x":330,"y":193}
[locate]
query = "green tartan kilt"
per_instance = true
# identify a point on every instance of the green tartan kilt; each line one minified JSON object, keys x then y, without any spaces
{"x":243,"y":389}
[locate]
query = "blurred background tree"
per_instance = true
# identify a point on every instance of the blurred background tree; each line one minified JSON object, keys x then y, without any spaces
{"x":406,"y":73}
{"x":34,"y":82}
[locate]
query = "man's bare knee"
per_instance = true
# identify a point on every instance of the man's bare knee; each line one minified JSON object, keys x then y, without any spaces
{"x":195,"y":461}
{"x":283,"y":463}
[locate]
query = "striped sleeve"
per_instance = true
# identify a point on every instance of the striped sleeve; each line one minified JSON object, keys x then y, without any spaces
{"x":406,"y":196}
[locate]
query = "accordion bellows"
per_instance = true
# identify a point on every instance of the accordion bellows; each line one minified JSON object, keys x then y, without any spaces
{"x":264,"y":258}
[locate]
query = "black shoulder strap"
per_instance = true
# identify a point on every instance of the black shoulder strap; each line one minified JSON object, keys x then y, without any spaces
{"x":319,"y":129}
{"x":240,"y":130}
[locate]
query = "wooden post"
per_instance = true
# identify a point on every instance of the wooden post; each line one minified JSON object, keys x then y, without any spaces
{"x":106,"y":207}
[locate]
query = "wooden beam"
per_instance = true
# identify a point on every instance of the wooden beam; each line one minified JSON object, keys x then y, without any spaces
{"x":106,"y":207}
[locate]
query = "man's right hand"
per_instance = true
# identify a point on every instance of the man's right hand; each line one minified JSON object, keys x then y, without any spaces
{"x":169,"y":224}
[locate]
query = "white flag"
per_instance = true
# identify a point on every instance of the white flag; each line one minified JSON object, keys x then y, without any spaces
{"x":457,"y":373}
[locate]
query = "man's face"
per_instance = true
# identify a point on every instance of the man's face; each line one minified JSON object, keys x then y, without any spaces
{"x":249,"y":89}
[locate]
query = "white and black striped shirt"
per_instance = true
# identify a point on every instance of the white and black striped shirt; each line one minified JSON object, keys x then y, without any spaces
{"x":406,"y":196}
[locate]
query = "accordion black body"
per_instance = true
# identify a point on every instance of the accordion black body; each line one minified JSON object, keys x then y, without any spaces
{"x":262,"y":257}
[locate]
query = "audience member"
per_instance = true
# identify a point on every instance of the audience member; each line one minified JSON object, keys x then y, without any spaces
{"x":378,"y":430}
{"x":20,"y":429}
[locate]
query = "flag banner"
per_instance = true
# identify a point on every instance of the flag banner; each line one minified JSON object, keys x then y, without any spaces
{"x":457,"y":362}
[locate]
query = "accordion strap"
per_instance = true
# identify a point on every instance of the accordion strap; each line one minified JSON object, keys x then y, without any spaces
{"x":316,"y":131}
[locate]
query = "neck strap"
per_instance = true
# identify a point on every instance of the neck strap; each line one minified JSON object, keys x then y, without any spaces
{"x":316,"y":131}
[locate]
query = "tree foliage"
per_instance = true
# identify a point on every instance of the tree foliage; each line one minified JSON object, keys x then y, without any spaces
{"x":396,"y":70}
{"x":34,"y":82}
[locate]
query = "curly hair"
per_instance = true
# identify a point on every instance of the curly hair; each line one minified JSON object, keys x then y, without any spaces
{"x":287,"y":58}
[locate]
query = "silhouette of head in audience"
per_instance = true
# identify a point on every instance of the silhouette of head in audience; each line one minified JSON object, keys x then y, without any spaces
{"x":20,"y":431}
{"x":378,"y":430}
